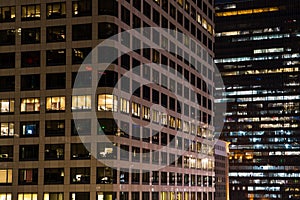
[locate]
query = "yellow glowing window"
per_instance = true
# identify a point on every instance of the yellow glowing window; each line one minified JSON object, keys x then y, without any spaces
{"x":248,"y":11}
{"x":107,"y":102}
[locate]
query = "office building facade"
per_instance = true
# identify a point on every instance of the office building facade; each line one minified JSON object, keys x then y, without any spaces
{"x":257,"y":52}
{"x":43,"y":44}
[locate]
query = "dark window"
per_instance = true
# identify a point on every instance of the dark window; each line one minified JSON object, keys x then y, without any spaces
{"x":82,"y":32}
{"x":80,"y":175}
{"x":146,"y":92}
{"x":172,"y":11}
{"x":7,"y":83}
{"x":146,"y":177}
{"x":106,"y":175}
{"x":125,"y":61}
{"x":136,"y":90}
{"x":164,"y":23}
{"x":29,"y":152}
{"x":136,"y":133}
{"x":28,"y":176}
{"x":147,"y":9}
{"x":53,"y":176}
{"x":107,"y":127}
{"x":30,"y":59}
{"x":56,"y":34}
{"x":30,"y":35}
{"x":55,"y":128}
{"x":164,"y":138}
{"x":7,"y":37}
{"x":30,"y":82}
{"x":172,"y":178}
{"x":124,"y":176}
{"x":56,"y":57}
{"x":136,"y":21}
{"x":179,"y":17}
{"x":81,"y":126}
{"x":56,"y":81}
{"x":108,"y":7}
{"x":135,"y":154}
{"x":29,"y":129}
{"x":155,"y":96}
{"x":124,"y":152}
{"x":164,"y":178}
{"x":164,"y":100}
{"x":137,"y":4}
{"x":7,"y":60}
{"x":54,"y":151}
{"x":106,"y":30}
{"x":6,"y":153}
{"x":80,"y":195}
{"x":7,"y":14}
{"x":156,"y":17}
{"x":146,"y":51}
{"x":81,"y":8}
{"x":124,"y":132}
{"x":81,"y":55}
{"x":179,"y":178}
{"x":83,"y":79}
{"x":108,"y":78}
{"x":125,"y":15}
{"x":186,"y":179}
{"x":172,"y":104}
{"x":155,"y":137}
{"x":165,"y":5}
{"x":56,"y":10}
{"x":155,"y":177}
{"x":146,"y":156}
{"x":146,"y":135}
{"x":155,"y":195}
{"x":125,"y":84}
{"x":31,"y":12}
{"x":135,"y":176}
{"x":80,"y":151}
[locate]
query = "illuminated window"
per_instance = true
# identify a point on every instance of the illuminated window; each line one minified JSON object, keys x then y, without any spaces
{"x":136,"y":109}
{"x":146,"y":113}
{"x":56,"y":10}
{"x":155,"y":116}
{"x":5,"y":196}
{"x":107,"y":150}
{"x":54,"y":196}
{"x":80,"y":175}
{"x":107,"y":102}
{"x":7,"y":129}
{"x":31,"y":12}
{"x":81,"y":8}
{"x":105,"y":195}
{"x":186,"y":127}
{"x":81,"y":102}
{"x":5,"y":176}
{"x":29,"y":129}
{"x":164,"y":119}
{"x":179,"y":124}
{"x":7,"y":14}
{"x":198,"y":18}
{"x":124,"y":105}
{"x":180,"y":2}
{"x":55,"y":103}
{"x":172,"y":122}
{"x":30,"y":105}
{"x":27,"y":196}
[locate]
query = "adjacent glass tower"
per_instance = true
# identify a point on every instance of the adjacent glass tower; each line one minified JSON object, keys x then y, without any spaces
{"x":257,"y":52}
{"x":43,"y":44}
